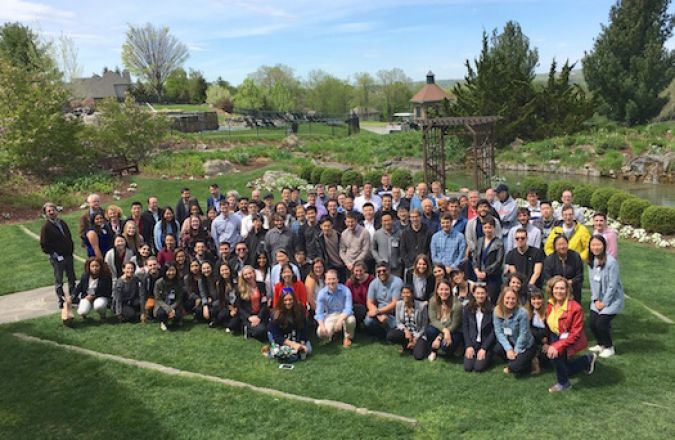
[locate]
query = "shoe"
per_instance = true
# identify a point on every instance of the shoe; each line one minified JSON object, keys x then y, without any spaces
{"x":557,"y":388}
{"x":346,"y":342}
{"x":607,"y":352}
{"x":591,"y":368}
{"x":506,"y":370}
{"x":163,"y":326}
{"x":596,"y":348}
{"x":432,"y":356}
{"x":227,"y":330}
{"x":536,"y":369}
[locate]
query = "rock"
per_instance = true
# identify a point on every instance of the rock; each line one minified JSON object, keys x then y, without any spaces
{"x":218,"y":167}
{"x":290,"y":141}
{"x":202,"y":147}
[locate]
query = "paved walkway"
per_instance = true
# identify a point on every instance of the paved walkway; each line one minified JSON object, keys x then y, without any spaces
{"x":26,"y":305}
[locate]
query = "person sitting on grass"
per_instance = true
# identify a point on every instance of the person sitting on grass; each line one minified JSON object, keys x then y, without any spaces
{"x":252,"y":311}
{"x":288,"y":280}
{"x":607,"y":294}
{"x":411,"y":320}
{"x":444,"y":331}
{"x":168,"y":298}
{"x":209,"y":291}
{"x":94,"y":289}
{"x":383,"y":293}
{"x":223,"y":309}
{"x":478,"y":331}
{"x":536,"y":309}
{"x":512,"y":329}
{"x":288,"y":330}
{"x":334,"y":311}
{"x":194,"y":290}
{"x":565,"y":320}
{"x":128,"y":296}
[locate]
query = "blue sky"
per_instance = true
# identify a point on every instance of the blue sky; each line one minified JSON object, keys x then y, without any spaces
{"x":231,"y":38}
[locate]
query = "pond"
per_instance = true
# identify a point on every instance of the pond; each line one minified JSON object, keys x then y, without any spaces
{"x":659,"y":194}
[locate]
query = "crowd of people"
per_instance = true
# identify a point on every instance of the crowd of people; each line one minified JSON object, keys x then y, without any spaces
{"x":434,"y":274}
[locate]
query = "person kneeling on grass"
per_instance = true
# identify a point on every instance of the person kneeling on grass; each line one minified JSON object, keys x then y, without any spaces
{"x":512,"y":329}
{"x":383,"y":293}
{"x":444,"y":331}
{"x":128,"y":295}
{"x":334,"y":311}
{"x":94,"y":289}
{"x":565,"y":320}
{"x":478,"y":330}
{"x":288,"y":330}
{"x":411,"y":320}
{"x":168,"y":298}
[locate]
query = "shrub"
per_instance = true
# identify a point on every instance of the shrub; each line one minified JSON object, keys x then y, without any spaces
{"x":600,"y":198}
{"x":418,"y":176}
{"x":352,"y":177}
{"x":612,"y":143}
{"x":632,"y":209}
{"x":536,"y":183}
{"x":659,"y":219}
{"x":556,"y":188}
{"x":316,"y":175}
{"x":401,"y":177}
{"x":583,"y":194}
{"x":611,"y":161}
{"x":306,"y":172}
{"x":331,"y":176}
{"x":614,"y":203}
{"x":219,"y":97}
{"x":373,"y":176}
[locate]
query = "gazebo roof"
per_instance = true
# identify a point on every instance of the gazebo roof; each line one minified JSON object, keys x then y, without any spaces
{"x":431,"y":92}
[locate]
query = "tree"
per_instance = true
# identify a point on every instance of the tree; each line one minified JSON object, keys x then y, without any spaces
{"x":328,"y":94}
{"x":35,"y":137}
{"x":249,"y":96}
{"x":279,"y":86}
{"x":364,"y":88}
{"x":280,"y":98}
{"x":629,"y":64}
{"x":128,"y":129}
{"x":501,"y":82}
{"x":153,"y":53}
{"x":176,"y":87}
{"x":219,"y":97}
{"x":197,"y":86}
{"x":223,"y":83}
{"x":395,"y":91}
{"x":23,"y":48}
{"x":66,"y":55}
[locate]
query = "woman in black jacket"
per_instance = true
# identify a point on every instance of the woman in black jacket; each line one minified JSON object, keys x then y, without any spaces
{"x":479,"y":334}
{"x":421,"y":278}
{"x":566,"y":263}
{"x":223,"y":309}
{"x":488,"y":259}
{"x":252,"y":311}
{"x":95,"y":288}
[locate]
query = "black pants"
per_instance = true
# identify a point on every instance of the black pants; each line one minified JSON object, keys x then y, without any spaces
{"x":397,"y":336}
{"x":523,"y":361}
{"x":473,"y":364}
{"x":601,"y":326}
{"x":131,"y":310}
{"x":162,"y":316}
{"x":360,"y":313}
{"x":66,"y":265}
{"x":494,"y":284}
{"x":221,"y":317}
{"x":423,"y":347}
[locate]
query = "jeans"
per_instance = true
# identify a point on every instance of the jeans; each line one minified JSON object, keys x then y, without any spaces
{"x":66,"y":265}
{"x":375,"y":327}
{"x":564,"y":367}
{"x":601,"y":326}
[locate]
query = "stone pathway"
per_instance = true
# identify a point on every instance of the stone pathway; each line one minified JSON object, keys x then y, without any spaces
{"x":27,"y":305}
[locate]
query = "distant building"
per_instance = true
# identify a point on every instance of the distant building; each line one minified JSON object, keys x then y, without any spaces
{"x":431,"y":95}
{"x":110,"y":85}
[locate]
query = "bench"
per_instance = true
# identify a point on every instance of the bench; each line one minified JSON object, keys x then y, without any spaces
{"x":119,"y":166}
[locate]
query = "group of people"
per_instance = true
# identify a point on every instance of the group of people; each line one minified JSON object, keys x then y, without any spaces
{"x":480,"y":278}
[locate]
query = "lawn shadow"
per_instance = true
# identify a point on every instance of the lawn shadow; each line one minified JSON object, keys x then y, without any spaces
{"x":605,"y":375}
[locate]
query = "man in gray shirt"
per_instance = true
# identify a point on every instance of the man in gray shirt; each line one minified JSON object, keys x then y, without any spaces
{"x":385,"y":245}
{"x":383,"y":293}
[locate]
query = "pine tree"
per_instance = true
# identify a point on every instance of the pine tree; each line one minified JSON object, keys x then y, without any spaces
{"x":629,"y":65}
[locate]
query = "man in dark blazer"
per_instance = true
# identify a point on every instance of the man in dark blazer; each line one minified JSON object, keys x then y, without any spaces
{"x":57,"y":242}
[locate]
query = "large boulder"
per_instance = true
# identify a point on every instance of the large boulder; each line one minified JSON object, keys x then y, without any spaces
{"x":215,"y":166}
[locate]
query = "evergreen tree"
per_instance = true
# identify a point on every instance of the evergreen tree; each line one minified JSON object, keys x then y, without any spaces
{"x":197,"y":86}
{"x":629,"y":64}
{"x":22,"y":48}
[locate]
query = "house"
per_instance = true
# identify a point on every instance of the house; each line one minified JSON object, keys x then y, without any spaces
{"x":431,"y":95}
{"x":109,"y":85}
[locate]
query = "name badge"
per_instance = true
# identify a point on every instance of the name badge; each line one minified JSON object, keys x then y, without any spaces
{"x":564,"y":335}
{"x":59,"y":258}
{"x":596,"y":278}
{"x":508,"y":331}
{"x":394,"y":243}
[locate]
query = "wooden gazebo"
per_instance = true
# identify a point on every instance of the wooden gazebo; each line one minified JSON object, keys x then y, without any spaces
{"x":481,"y":129}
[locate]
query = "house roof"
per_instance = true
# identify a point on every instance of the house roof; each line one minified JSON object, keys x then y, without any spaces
{"x":109,"y":85}
{"x":430,"y":93}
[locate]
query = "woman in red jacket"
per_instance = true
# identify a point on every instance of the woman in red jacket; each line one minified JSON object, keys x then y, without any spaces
{"x":288,"y":279}
{"x":565,"y":322}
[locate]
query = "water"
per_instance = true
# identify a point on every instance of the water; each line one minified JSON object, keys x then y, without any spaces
{"x":658,"y":194}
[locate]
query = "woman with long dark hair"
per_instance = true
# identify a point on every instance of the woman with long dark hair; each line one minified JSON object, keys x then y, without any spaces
{"x":478,"y":330}
{"x":224,"y":309}
{"x":421,"y":279}
{"x":168,"y":298}
{"x":95,"y":288}
{"x":128,"y":295}
{"x":412,"y":319}
{"x":288,"y":329}
{"x":118,"y":256}
{"x":166,"y":225}
{"x":445,"y":324}
{"x":194,"y":290}
{"x":97,"y":238}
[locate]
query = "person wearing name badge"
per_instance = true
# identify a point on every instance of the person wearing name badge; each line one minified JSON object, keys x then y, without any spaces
{"x":478,"y":330}
{"x":168,"y":294}
{"x":607,"y":295}
{"x":515,"y":342}
{"x":566,"y":337}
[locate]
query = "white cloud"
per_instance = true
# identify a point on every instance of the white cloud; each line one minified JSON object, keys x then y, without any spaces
{"x":19,"y":10}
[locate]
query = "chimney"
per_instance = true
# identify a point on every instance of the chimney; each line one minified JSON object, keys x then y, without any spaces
{"x":430,"y":77}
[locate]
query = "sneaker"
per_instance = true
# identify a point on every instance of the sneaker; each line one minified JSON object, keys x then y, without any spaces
{"x":591,"y":368}
{"x":506,"y":370}
{"x":607,"y":353}
{"x":346,"y":342}
{"x":557,"y":388}
{"x":432,"y":356}
{"x":596,"y":348}
{"x":163,"y":326}
{"x":227,"y":330}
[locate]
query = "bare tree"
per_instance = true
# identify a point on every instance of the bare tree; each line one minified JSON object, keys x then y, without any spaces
{"x":152,"y":53}
{"x":66,"y":53}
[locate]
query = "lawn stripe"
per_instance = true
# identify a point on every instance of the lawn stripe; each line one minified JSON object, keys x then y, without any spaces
{"x":662,"y":317}
{"x":227,"y":382}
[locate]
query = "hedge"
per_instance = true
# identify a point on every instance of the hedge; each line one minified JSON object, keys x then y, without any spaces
{"x":374,"y":177}
{"x":556,"y":188}
{"x":352,"y":177}
{"x":659,"y":219}
{"x":306,"y":172}
{"x":583,"y":194}
{"x":632,"y":209}
{"x":401,"y":178}
{"x":331,"y":176}
{"x":614,"y":203}
{"x":316,"y":175}
{"x":600,"y":198}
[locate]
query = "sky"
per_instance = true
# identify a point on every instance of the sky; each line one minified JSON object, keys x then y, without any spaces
{"x":232,"y":38}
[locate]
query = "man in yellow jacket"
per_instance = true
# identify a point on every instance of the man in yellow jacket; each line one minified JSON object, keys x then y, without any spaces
{"x":577,"y":234}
